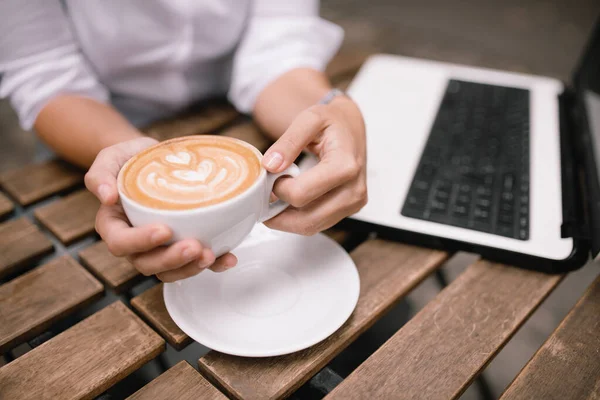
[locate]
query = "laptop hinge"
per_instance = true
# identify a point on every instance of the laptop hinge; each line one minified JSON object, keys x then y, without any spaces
{"x":574,"y":207}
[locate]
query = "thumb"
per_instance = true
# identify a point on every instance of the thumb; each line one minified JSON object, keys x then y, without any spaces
{"x":307,"y":125}
{"x":101,"y":178}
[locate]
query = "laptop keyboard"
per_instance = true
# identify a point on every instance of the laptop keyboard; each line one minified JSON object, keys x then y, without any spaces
{"x":474,"y":170}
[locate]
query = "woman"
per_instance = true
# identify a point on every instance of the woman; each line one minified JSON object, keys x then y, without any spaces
{"x":84,"y":74}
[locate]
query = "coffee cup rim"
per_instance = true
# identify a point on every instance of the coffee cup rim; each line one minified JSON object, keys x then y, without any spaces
{"x":245,"y":193}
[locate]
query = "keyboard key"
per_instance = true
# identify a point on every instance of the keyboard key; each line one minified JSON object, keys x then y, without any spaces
{"x":453,"y":86}
{"x":505,"y":230}
{"x":422,"y":185}
{"x":413,"y":201}
{"x":465,"y":189}
{"x":506,"y":219}
{"x":507,"y":196}
{"x":481,"y":214}
{"x":524,"y":210}
{"x":488,"y":169}
{"x":438,"y":206}
{"x":484,"y":203}
{"x":461,"y":210}
{"x":484,"y":191}
{"x":442,"y":195}
{"x":463,"y":199}
{"x":509,"y":180}
{"x":427,"y":170}
{"x":523,"y":222}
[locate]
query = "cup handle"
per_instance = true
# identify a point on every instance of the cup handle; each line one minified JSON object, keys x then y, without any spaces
{"x":276,"y":207}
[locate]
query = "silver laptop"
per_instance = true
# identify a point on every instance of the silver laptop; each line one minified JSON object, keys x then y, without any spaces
{"x":498,"y":163}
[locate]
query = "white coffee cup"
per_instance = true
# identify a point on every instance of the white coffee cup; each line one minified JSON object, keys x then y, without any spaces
{"x":222,"y":226}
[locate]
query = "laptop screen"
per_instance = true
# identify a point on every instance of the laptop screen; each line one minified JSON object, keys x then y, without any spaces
{"x":587,"y":83}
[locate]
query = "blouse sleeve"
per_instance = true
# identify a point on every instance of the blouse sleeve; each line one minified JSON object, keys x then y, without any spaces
{"x":40,"y":58}
{"x":280,"y":36}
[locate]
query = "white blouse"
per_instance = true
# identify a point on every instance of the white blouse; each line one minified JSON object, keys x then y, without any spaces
{"x":155,"y":56}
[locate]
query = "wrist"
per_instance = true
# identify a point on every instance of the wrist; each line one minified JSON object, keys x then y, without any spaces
{"x":347,"y":107}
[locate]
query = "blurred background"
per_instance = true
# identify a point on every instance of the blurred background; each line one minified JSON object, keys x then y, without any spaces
{"x":538,"y":37}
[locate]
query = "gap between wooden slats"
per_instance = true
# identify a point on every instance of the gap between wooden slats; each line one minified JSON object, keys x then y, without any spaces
{"x":85,"y":360}
{"x":35,"y":182}
{"x":33,"y":301}
{"x":567,"y":366}
{"x":180,"y":382}
{"x":21,"y":244}
{"x":440,"y":351}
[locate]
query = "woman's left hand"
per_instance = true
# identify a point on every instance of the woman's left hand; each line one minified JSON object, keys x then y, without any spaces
{"x":336,"y":187}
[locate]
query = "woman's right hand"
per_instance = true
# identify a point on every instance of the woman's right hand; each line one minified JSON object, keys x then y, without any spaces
{"x":143,"y":246}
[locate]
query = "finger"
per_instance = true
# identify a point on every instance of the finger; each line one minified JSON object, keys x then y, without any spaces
{"x":168,"y":258}
{"x":101,"y":178}
{"x":224,"y":263}
{"x":121,"y":239}
{"x":329,"y":173}
{"x":320,"y":214}
{"x":188,"y":270}
{"x":300,"y":133}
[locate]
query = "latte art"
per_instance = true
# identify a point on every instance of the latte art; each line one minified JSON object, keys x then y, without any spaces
{"x":190,"y":172}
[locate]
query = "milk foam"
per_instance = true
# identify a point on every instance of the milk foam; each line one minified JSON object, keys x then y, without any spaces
{"x":191,"y":173}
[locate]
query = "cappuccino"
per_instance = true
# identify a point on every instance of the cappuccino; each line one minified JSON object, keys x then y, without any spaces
{"x":190,"y":172}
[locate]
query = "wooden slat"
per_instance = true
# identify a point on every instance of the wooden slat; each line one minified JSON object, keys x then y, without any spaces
{"x":6,"y":206}
{"x":83,"y":361}
{"x":37,"y":181}
{"x":21,"y":242}
{"x":439,"y":352}
{"x":30,"y":303}
{"x":208,"y":119}
{"x":70,"y":218}
{"x":567,"y":366}
{"x":181,"y":382}
{"x":338,"y":235}
{"x":116,"y":272}
{"x":151,"y":307}
{"x":388,"y":271}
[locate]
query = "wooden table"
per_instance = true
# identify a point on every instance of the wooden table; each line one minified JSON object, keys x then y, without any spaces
{"x":74,"y":353}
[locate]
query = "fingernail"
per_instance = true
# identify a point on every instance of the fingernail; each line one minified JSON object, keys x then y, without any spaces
{"x":207,"y":259}
{"x":159,"y":236}
{"x":272,"y":161}
{"x":231,"y":264}
{"x":189,"y":253}
{"x":104,"y":192}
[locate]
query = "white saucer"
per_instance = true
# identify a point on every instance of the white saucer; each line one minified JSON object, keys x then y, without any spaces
{"x":287,"y":293}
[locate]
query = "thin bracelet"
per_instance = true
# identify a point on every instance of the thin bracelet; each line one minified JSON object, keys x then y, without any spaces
{"x":333,"y":93}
